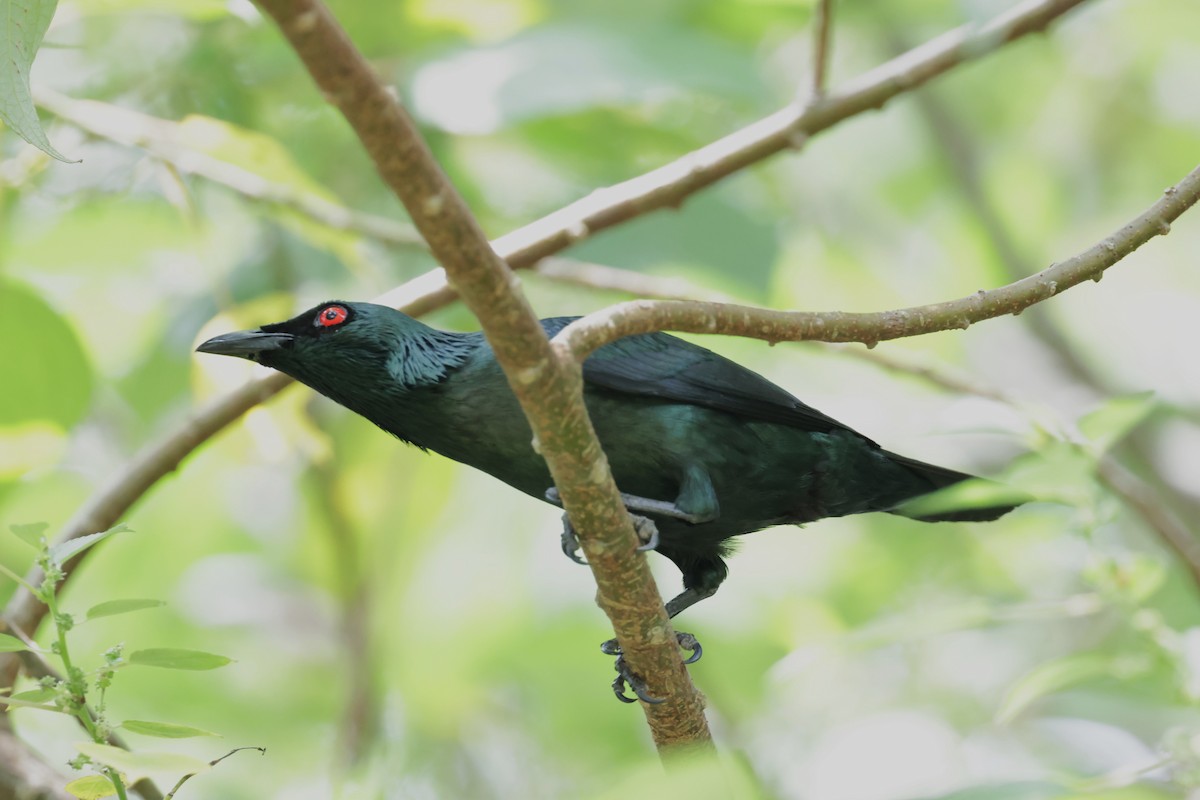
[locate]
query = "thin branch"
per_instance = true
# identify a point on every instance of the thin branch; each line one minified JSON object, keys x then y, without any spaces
{"x":643,"y":316}
{"x":165,"y":140}
{"x":822,"y":22}
{"x":788,"y":128}
{"x":548,"y":388}
{"x":616,"y":279}
{"x":666,"y":186}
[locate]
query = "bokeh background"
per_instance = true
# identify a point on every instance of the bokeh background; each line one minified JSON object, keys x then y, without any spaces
{"x":406,"y":628}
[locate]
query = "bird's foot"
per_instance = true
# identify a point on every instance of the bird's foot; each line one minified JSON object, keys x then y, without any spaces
{"x":570,"y":542}
{"x":626,"y":677}
{"x":686,"y":641}
{"x":647,"y":532}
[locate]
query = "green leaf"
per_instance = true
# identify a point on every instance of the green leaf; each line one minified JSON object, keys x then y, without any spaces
{"x":36,"y":695}
{"x":140,"y":765}
{"x":970,"y":494}
{"x":64,"y":552}
{"x":24,"y":24}
{"x":91,"y":787}
{"x":31,"y":533}
{"x":1116,"y":419}
{"x":113,"y":607}
{"x":44,"y":357}
{"x":177,"y":658}
{"x":164,"y":730}
{"x":1061,"y":673}
{"x":16,"y":702}
{"x":11,"y":644}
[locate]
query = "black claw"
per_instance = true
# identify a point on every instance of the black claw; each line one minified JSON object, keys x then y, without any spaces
{"x":610,"y":648}
{"x":618,"y":687}
{"x":689,"y":642}
{"x":625,"y":676}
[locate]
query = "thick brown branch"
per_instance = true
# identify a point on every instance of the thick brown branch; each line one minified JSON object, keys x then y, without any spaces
{"x":549,"y":388}
{"x":643,"y":316}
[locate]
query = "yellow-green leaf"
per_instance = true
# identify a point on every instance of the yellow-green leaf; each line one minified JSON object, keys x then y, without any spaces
{"x":164,"y":730}
{"x":112,"y":607}
{"x":91,"y":787}
{"x":178,"y":658}
{"x":11,"y":644}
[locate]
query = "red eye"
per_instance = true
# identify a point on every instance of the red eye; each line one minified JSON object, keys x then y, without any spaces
{"x":332,"y":317}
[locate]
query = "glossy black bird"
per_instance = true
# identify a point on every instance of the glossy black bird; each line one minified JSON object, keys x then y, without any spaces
{"x":700,"y":445}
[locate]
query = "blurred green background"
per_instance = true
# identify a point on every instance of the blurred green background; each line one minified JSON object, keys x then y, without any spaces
{"x":406,"y":628}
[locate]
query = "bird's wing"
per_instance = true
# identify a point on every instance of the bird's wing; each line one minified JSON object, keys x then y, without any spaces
{"x":668,"y":368}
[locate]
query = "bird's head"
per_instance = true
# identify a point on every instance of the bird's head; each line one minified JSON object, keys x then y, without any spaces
{"x":344,"y":349}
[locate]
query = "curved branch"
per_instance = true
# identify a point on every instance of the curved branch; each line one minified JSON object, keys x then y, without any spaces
{"x":644,"y":316}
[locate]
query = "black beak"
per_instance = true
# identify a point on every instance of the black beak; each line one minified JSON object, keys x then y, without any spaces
{"x":246,"y":344}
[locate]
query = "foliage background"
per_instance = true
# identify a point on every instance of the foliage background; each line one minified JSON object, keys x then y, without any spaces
{"x":406,"y":628}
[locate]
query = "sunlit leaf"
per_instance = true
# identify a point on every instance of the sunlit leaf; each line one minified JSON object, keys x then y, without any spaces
{"x":113,"y":607}
{"x":30,"y":532}
{"x":24,"y":24}
{"x":164,"y":730}
{"x":43,"y":356}
{"x":91,"y":787}
{"x":139,"y":765}
{"x":1061,"y":673}
{"x":65,"y":551}
{"x":11,"y":644}
{"x":177,"y":658}
{"x":1116,"y":418}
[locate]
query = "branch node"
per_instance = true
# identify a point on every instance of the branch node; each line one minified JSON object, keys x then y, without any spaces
{"x":796,"y":138}
{"x":1164,"y":228}
{"x":434,"y":204}
{"x":305,"y":21}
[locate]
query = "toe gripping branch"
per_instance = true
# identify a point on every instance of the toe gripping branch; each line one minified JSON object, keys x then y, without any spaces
{"x":626,"y":677}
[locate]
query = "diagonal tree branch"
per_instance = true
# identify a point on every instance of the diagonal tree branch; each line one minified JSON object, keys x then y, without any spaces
{"x":549,"y":388}
{"x":666,"y":186}
{"x":643,"y":316}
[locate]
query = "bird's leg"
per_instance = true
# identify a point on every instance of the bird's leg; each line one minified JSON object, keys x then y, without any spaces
{"x":644,"y":527}
{"x":646,"y":505}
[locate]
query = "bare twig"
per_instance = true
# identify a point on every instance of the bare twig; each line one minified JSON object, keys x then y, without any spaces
{"x":668,"y":185}
{"x":642,"y":316}
{"x":788,"y":128}
{"x":548,"y":388}
{"x":165,"y":140}
{"x":822,"y":22}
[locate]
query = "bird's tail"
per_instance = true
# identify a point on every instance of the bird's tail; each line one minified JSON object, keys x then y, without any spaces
{"x":940,"y":478}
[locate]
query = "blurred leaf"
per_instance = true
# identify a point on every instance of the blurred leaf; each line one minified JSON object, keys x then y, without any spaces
{"x":189,"y":9}
{"x":177,"y":658}
{"x":16,"y":702}
{"x":36,"y":695}
{"x":970,"y":494}
{"x":25,"y":23}
{"x":30,"y":532}
{"x":1134,"y":578}
{"x":1116,"y":418}
{"x":140,"y":765}
{"x":113,"y":607}
{"x":484,"y":89}
{"x":1008,"y":791}
{"x":43,"y":356}
{"x":64,"y":551}
{"x":91,"y":787}
{"x":1061,"y":673}
{"x":163,"y":730}
{"x":11,"y":644}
